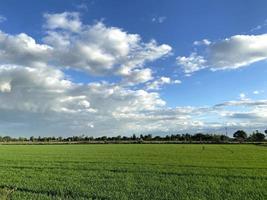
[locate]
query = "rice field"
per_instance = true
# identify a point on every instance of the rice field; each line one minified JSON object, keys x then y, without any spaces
{"x":133,"y":171}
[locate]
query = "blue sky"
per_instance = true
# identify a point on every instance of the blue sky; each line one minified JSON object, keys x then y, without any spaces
{"x":203,"y":53}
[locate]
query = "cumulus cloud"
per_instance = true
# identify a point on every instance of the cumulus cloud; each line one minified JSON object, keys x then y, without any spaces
{"x":98,"y":49}
{"x":22,"y":49}
{"x":230,"y":53}
{"x":192,"y":63}
{"x":5,"y":87}
{"x":44,"y":96}
{"x":95,"y":49}
{"x":138,"y":76}
{"x":157,"y":84}
{"x":30,"y":89}
{"x":66,"y":21}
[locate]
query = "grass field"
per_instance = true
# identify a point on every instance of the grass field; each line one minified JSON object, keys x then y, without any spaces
{"x":133,"y":171}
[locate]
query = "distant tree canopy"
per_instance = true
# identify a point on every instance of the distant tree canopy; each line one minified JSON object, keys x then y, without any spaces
{"x":239,"y":135}
{"x":257,"y":136}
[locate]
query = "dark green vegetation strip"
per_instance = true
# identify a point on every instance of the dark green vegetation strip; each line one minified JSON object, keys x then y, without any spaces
{"x":164,"y":171}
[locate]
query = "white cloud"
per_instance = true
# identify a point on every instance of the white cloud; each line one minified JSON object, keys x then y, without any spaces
{"x":259,"y":27}
{"x":159,"y":20}
{"x":157,"y":84}
{"x":22,"y":49}
{"x":256,"y":92}
{"x":31,"y":89}
{"x":47,"y":97}
{"x":243,"y":96}
{"x":192,"y":63}
{"x":2,"y":19}
{"x":231,"y":53}
{"x":256,"y":28}
{"x":202,"y":42}
{"x":102,"y":50}
{"x":5,"y":86}
{"x":95,"y":49}
{"x":66,"y":21}
{"x":138,"y":76}
{"x":82,"y":6}
{"x":246,"y":102}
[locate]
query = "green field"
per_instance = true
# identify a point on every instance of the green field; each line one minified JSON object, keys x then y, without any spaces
{"x":133,"y":171}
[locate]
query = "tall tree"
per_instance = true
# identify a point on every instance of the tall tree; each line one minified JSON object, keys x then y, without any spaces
{"x":240,"y":135}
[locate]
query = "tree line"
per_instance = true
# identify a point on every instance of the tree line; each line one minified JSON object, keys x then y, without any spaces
{"x":238,"y":136}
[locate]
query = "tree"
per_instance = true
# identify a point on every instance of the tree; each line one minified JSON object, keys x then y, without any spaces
{"x":257,"y":136}
{"x":134,"y":137}
{"x":118,"y":137}
{"x":265,"y":131}
{"x":198,"y":137}
{"x":186,"y":137}
{"x":148,"y":137}
{"x":240,"y":135}
{"x":32,"y":138}
{"x":224,"y":138}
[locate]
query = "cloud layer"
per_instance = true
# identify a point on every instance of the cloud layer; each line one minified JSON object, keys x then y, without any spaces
{"x":41,"y":100}
{"x":38,"y":98}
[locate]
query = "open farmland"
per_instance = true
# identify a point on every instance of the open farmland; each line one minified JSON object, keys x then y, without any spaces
{"x":133,"y":171}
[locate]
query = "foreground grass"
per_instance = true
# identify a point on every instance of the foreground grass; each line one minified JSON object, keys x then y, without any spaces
{"x":164,"y":171}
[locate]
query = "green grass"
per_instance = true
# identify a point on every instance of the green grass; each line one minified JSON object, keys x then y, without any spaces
{"x":133,"y":171}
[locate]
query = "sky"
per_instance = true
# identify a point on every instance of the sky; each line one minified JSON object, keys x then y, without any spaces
{"x":98,"y":67}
